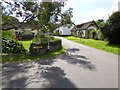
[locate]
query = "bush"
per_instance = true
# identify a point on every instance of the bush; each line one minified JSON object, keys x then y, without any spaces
{"x":57,"y":34}
{"x":96,"y":34}
{"x":27,"y":36}
{"x":42,"y":39}
{"x":10,"y":34}
{"x":11,"y":46}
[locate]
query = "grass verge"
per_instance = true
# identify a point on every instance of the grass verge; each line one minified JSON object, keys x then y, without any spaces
{"x":26,"y":57}
{"x":98,"y":44}
{"x":26,"y":44}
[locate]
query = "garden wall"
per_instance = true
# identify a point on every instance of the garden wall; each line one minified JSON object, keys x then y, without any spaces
{"x":39,"y":49}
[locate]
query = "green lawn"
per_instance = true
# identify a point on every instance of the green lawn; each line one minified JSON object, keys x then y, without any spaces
{"x":25,"y":57}
{"x":103,"y":45}
{"x":26,"y":44}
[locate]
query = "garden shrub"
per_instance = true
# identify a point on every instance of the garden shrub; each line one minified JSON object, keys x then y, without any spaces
{"x":99,"y":35}
{"x":27,"y":36}
{"x":10,"y":34}
{"x":11,"y":46}
{"x":42,"y":39}
{"x":57,"y":34}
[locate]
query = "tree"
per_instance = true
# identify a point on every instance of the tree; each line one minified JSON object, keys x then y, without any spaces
{"x":102,"y":25}
{"x":113,"y":29}
{"x":9,"y":22}
{"x":45,"y":13}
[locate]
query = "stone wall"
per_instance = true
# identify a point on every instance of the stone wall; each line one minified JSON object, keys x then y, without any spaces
{"x":39,"y":49}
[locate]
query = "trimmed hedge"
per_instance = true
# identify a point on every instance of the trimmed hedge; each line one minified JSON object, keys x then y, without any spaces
{"x":41,"y":48}
{"x":11,"y":46}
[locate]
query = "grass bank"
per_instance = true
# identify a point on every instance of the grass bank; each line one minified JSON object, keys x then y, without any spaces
{"x":98,"y":44}
{"x":26,"y":44}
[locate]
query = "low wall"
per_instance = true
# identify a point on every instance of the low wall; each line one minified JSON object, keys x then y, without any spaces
{"x":39,"y":49}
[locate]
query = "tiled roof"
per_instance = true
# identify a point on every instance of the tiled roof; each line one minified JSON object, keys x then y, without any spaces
{"x":84,"y":26}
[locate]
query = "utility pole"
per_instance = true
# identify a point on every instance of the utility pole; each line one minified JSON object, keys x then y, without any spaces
{"x":48,"y":40}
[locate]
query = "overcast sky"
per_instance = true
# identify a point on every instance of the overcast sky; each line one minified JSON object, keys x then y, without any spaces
{"x":87,"y":10}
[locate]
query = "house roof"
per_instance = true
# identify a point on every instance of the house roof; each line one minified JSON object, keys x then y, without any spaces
{"x":85,"y":25}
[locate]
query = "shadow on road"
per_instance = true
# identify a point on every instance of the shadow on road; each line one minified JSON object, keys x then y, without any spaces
{"x":12,"y":74}
{"x":73,"y":58}
{"x":49,"y":61}
{"x":56,"y":78}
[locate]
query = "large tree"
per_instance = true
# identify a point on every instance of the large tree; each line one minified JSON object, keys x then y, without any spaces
{"x":40,"y":14}
{"x":9,"y":22}
{"x":113,"y":28}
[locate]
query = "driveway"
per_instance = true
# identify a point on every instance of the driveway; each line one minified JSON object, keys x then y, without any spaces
{"x":80,"y":67}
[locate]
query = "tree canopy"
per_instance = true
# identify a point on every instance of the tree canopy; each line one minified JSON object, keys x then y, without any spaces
{"x":38,"y":14}
{"x":114,"y":28}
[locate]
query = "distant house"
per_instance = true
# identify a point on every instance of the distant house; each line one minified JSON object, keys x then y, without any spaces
{"x":64,"y":30}
{"x":85,"y":29}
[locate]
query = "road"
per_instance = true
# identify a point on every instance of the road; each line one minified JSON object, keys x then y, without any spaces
{"x":80,"y":67}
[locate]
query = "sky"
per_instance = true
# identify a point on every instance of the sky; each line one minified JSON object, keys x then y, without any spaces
{"x":87,"y":10}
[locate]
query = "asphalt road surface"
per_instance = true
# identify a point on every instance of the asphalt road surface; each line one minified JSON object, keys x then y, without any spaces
{"x":80,"y":67}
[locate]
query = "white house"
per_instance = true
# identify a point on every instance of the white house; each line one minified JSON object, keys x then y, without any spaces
{"x":64,"y":30}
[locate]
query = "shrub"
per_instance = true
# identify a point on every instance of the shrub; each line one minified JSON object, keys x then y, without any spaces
{"x":27,"y":36}
{"x":11,"y":46}
{"x":10,"y":34}
{"x":57,"y":34}
{"x":42,"y":39}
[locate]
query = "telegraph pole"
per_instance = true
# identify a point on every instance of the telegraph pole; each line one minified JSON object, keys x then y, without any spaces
{"x":48,"y":47}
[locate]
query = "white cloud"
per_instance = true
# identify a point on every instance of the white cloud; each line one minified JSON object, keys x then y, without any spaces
{"x":97,"y":14}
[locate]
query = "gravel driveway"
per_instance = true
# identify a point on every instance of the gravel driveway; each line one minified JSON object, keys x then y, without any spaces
{"x":80,"y":67}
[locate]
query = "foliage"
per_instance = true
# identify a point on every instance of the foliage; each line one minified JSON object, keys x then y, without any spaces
{"x":11,"y":46}
{"x":57,"y":34}
{"x":99,"y":35}
{"x":44,"y":14}
{"x":102,"y":45}
{"x":40,"y":38}
{"x":114,"y":28}
{"x":53,"y":46}
{"x":27,"y":36}
{"x":111,"y":28}
{"x":102,"y":31}
{"x":9,"y":22}
{"x":10,"y":34}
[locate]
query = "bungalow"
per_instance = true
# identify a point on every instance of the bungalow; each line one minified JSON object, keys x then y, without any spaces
{"x":64,"y":30}
{"x":83,"y":30}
